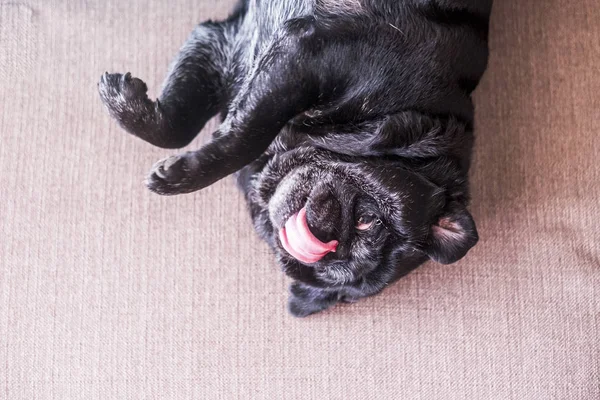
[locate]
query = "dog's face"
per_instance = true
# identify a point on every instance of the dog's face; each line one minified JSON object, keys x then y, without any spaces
{"x":337,"y":219}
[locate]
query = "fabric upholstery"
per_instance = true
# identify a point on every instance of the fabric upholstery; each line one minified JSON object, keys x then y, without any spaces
{"x":108,"y":291}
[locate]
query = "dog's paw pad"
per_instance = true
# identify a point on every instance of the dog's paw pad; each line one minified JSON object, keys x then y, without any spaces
{"x":167,"y":169}
{"x":126,"y":100}
{"x":168,"y":176}
{"x":119,"y":87}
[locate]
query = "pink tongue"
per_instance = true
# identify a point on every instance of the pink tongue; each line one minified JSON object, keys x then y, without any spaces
{"x":297,"y":239}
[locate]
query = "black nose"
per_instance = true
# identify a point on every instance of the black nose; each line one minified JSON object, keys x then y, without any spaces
{"x":323,"y":214}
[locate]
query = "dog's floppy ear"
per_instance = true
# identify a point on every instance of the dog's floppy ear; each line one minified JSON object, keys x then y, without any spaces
{"x":452,"y":235}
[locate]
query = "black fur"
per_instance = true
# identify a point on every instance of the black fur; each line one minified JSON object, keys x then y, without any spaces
{"x":349,"y":108}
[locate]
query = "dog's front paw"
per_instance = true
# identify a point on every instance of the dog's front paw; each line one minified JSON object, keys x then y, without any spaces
{"x":126,"y":100}
{"x":171,"y":175}
{"x":116,"y":88}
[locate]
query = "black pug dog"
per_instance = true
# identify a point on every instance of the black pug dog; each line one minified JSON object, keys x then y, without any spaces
{"x":348,"y":124}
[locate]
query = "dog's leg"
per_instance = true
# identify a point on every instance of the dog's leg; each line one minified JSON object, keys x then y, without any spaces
{"x":274,"y":93}
{"x":306,"y":300}
{"x":193,"y":91}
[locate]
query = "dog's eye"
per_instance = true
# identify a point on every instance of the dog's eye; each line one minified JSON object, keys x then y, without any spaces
{"x":366,"y":222}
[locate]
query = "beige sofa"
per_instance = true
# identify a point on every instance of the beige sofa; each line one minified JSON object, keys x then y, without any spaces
{"x":110,"y":292}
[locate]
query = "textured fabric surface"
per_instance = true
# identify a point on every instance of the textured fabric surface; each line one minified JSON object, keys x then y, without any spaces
{"x":110,"y":292}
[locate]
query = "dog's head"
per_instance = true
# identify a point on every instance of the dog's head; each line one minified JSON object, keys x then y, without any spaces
{"x":343,"y":218}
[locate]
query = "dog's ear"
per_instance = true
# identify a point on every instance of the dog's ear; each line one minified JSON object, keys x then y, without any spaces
{"x":452,"y":235}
